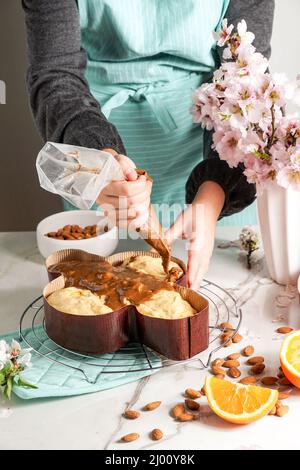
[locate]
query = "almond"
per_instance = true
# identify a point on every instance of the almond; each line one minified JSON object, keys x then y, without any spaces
{"x":203,"y":390}
{"x":178,"y":410}
{"x":227,"y":344}
{"x":231,"y":363}
{"x":152,"y":406}
{"x":132,"y":414}
{"x":283,"y":396}
{"x":255,"y":360}
{"x":269,"y":380}
{"x":185,"y":417}
{"x":233,"y":357}
{"x":282,"y":410}
{"x":226,"y":336}
{"x":280,"y":375}
{"x":220,"y":376}
{"x":226,"y":326}
{"x":257,"y":369}
{"x":191,"y":393}
{"x":133,"y":436}
{"x":218,"y":362}
{"x":217,"y":370}
{"x":237,"y":338}
{"x":192,"y":405}
{"x":248,"y":350}
{"x":156,"y":434}
{"x":234,"y":372}
{"x":284,"y":381}
{"x":273,"y":411}
{"x":284,"y":330}
{"x":248,"y":380}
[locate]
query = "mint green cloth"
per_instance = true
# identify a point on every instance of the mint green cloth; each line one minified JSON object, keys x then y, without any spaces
{"x":55,"y":380}
{"x":145,"y":58}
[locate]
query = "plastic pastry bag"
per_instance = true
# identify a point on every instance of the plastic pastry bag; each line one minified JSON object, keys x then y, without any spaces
{"x":77,"y":174}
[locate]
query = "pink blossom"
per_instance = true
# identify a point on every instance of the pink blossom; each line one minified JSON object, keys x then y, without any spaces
{"x":289,"y":177}
{"x":223,"y":35}
{"x":244,"y":105}
{"x":246,"y":36}
{"x":228,"y":147}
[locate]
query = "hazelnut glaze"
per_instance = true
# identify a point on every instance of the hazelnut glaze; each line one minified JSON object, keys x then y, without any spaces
{"x":116,"y":283}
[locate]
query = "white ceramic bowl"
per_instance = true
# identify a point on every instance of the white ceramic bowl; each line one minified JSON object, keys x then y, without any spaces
{"x":103,"y":245}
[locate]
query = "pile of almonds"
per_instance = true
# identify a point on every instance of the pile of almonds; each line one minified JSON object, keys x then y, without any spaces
{"x":256,"y":366}
{"x":74,"y":232}
{"x":189,"y":410}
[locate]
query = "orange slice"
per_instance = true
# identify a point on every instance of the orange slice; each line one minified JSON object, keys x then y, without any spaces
{"x":290,"y":357}
{"x":237,"y":403}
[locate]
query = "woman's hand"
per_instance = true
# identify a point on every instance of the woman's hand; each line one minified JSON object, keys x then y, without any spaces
{"x":197,"y":224}
{"x":126,"y":203}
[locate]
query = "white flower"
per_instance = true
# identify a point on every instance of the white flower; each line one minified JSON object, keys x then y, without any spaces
{"x":4,"y":353}
{"x":245,"y":35}
{"x":25,"y":360}
{"x":249,"y":238}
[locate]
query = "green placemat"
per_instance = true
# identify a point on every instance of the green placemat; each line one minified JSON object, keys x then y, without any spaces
{"x":80,"y":374}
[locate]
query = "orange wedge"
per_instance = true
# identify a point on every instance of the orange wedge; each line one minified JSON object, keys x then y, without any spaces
{"x":237,"y":403}
{"x":290,"y":357}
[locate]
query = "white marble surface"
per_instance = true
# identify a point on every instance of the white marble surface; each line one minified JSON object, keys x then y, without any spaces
{"x":95,"y":421}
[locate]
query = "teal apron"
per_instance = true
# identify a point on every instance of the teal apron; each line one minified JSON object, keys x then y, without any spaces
{"x":145,"y":58}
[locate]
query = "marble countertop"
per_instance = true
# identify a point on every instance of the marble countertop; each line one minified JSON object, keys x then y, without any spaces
{"x":95,"y":421}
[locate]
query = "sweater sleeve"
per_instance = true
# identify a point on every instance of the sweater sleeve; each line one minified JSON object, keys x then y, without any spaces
{"x":239,"y":194}
{"x":63,"y":107}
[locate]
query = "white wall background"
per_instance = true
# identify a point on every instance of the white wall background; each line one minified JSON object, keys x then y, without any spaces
{"x":286,"y":39}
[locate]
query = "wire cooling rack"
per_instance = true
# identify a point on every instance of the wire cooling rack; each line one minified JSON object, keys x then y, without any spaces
{"x":135,"y":357}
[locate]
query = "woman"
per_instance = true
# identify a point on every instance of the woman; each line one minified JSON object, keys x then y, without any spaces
{"x":133,"y":96}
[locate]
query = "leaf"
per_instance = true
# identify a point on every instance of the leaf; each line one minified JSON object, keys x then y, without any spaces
{"x":2,"y":378}
{"x":23,"y":383}
{"x":8,"y":388}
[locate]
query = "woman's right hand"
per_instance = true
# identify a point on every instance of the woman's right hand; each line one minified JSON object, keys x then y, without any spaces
{"x":126,"y":203}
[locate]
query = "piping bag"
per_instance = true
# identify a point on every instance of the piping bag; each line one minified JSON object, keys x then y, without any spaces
{"x":79,"y":174}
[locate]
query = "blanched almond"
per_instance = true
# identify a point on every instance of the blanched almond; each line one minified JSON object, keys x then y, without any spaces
{"x":248,"y":350}
{"x":191,"y":393}
{"x":284,"y":330}
{"x":231,"y":363}
{"x":255,"y":360}
{"x":269,"y":380}
{"x":226,"y":345}
{"x":192,"y":405}
{"x":133,"y":436}
{"x":226,"y":336}
{"x":273,"y":411}
{"x":152,"y":406}
{"x":132,"y":414}
{"x":248,"y":380}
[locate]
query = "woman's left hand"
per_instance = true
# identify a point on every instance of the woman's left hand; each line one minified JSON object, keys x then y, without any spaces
{"x":197,"y":224}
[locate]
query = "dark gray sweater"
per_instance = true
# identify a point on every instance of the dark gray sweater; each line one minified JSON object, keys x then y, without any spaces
{"x":65,"y":110}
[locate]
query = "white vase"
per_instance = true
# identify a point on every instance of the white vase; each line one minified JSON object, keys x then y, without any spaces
{"x":279,"y":217}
